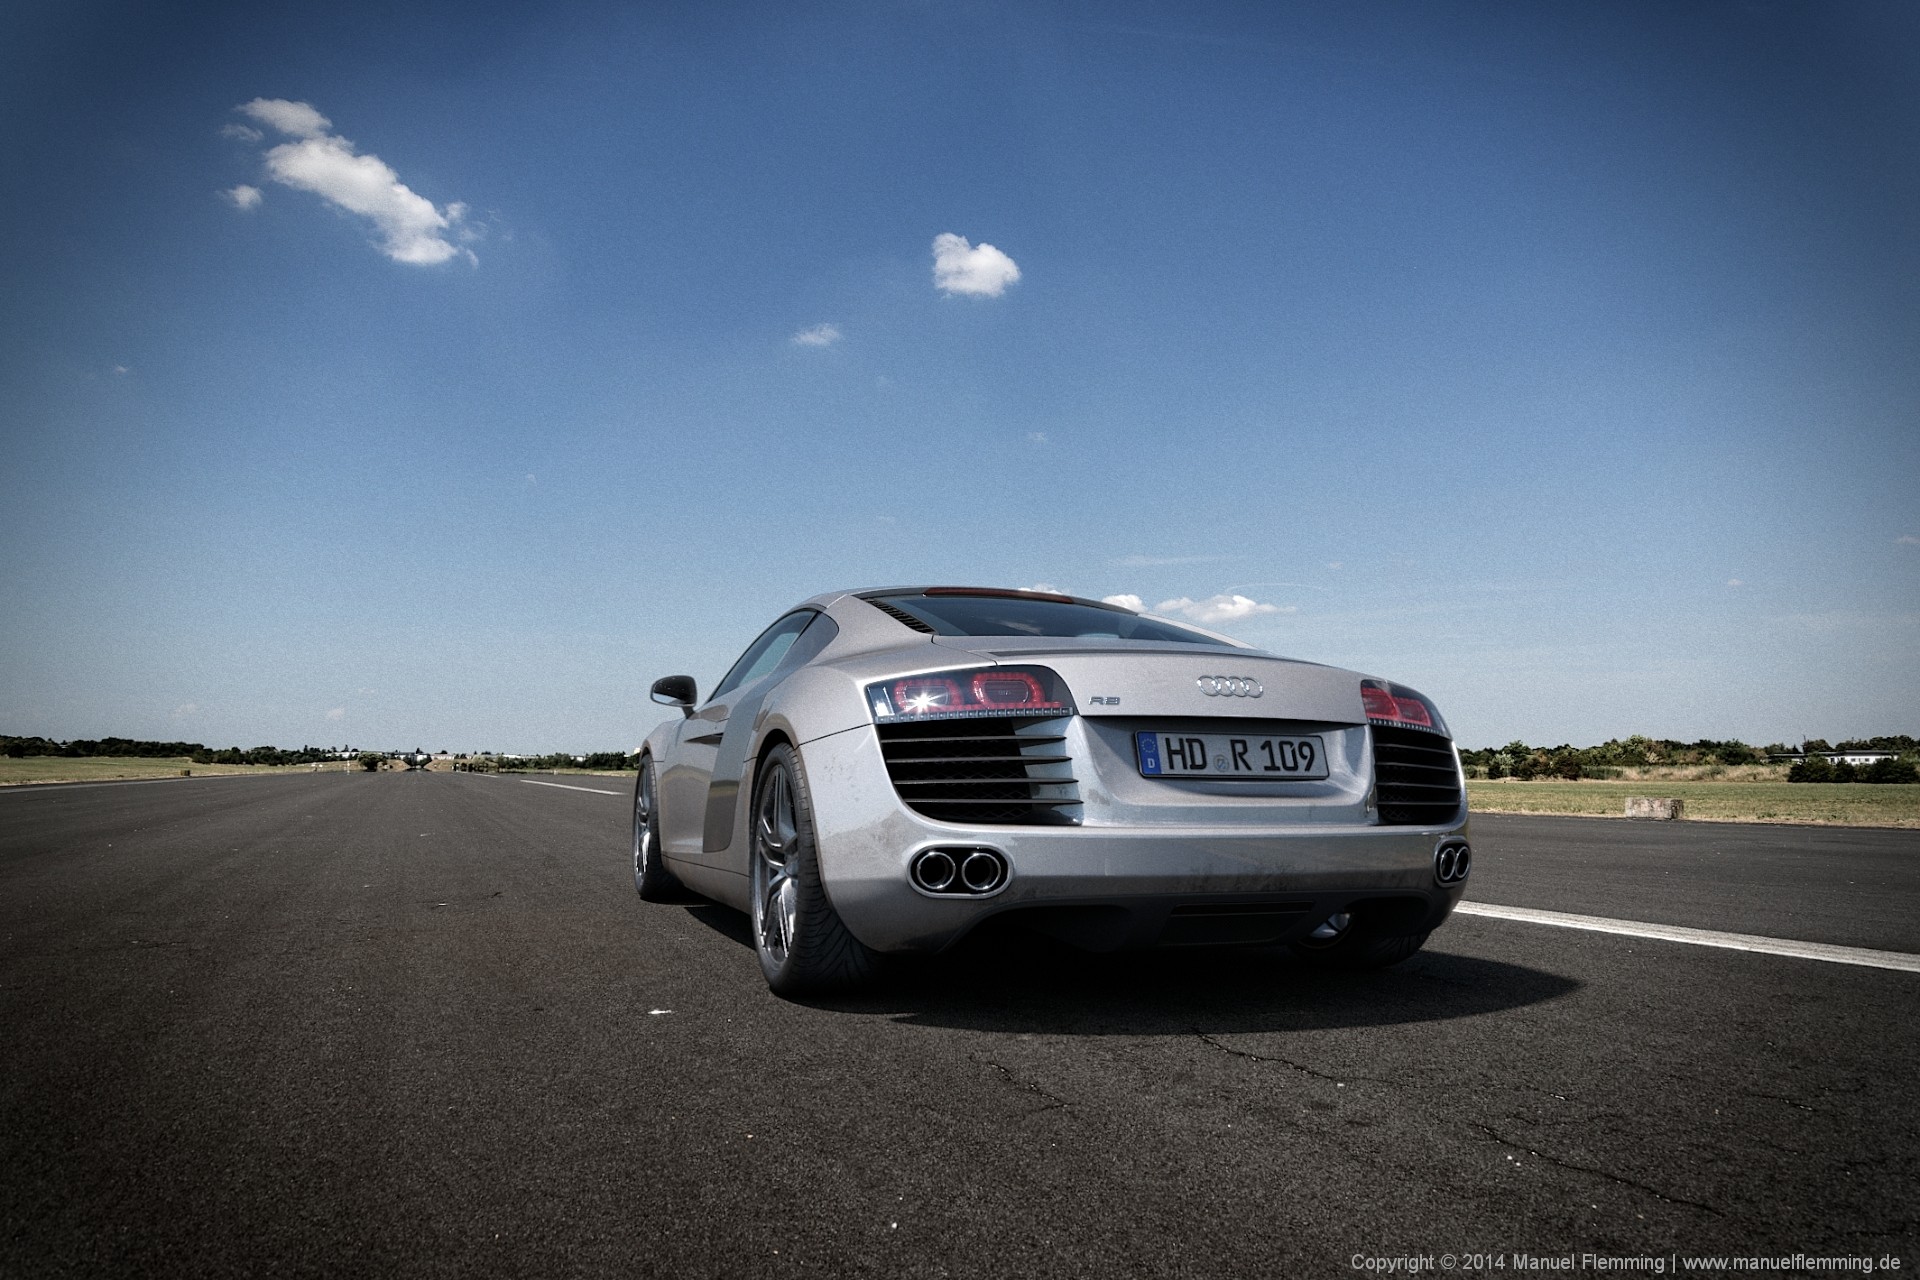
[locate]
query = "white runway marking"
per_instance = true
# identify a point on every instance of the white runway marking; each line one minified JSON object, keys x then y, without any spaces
{"x":1703,"y":937}
{"x":564,"y":787}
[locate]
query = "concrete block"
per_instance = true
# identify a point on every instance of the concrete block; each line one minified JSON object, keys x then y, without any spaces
{"x":1662,"y":808}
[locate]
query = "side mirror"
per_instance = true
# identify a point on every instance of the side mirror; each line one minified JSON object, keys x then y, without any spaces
{"x":676,"y":691}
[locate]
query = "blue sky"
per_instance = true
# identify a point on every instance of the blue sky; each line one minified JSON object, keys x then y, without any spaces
{"x":1560,"y":360}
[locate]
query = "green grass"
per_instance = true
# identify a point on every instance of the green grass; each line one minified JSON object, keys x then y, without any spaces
{"x":29,"y":769}
{"x":1852,"y":804}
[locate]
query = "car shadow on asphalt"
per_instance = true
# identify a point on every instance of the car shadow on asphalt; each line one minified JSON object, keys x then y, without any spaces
{"x":1018,"y":983}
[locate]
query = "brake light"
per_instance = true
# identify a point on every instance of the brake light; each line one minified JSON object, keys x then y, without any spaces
{"x":988,"y":691}
{"x":1396,"y":704}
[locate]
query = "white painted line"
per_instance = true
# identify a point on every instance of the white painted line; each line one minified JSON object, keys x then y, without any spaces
{"x":1900,"y":960}
{"x":564,"y":787}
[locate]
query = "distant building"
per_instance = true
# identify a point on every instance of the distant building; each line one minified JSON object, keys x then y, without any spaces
{"x":1856,"y":758}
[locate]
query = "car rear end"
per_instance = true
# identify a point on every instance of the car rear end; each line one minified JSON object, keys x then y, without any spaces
{"x":1135,"y":795}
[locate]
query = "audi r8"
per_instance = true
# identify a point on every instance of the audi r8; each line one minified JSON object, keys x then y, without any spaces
{"x":885,"y":771}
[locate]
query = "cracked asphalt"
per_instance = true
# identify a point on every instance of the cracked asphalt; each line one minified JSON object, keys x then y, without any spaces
{"x":420,"y":1025}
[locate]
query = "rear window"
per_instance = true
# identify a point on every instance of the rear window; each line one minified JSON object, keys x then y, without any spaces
{"x":1011,"y":616}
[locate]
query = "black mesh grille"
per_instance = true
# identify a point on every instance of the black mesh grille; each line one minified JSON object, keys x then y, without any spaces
{"x":1415,"y":781}
{"x":980,"y":771}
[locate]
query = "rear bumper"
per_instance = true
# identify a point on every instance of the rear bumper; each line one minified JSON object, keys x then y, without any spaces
{"x":1112,"y":885}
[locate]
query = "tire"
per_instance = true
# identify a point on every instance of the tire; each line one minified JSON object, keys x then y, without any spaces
{"x":650,"y":875}
{"x":1350,"y":944}
{"x":804,"y":948}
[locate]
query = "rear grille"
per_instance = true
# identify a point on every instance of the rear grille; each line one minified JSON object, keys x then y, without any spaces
{"x":981,"y":771}
{"x":1416,"y":782}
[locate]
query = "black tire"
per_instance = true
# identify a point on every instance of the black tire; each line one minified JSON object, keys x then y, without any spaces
{"x":1352,"y":945}
{"x":650,"y":875}
{"x":804,"y":948}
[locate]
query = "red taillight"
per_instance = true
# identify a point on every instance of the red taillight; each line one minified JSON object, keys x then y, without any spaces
{"x":1008,"y":689}
{"x":1379,"y":703}
{"x":988,"y":691}
{"x":1395,"y":704}
{"x":926,"y":693}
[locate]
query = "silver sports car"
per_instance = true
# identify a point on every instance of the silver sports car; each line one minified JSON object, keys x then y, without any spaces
{"x":886,"y":770}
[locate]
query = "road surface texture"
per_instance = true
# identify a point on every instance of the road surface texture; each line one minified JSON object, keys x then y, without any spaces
{"x":419,"y":1025}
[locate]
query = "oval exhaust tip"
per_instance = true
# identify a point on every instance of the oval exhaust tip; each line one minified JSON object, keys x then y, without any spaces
{"x":934,"y":871}
{"x":982,"y":871}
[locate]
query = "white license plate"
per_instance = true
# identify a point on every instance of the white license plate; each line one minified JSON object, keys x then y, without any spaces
{"x":1229,"y":755}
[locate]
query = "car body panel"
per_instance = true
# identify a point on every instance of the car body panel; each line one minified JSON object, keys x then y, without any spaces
{"x":1140,"y":849}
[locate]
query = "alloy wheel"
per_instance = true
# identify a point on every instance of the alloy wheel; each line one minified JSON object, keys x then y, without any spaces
{"x":776,"y":838}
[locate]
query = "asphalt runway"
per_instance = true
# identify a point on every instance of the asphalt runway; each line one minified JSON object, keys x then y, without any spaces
{"x":346,"y":1025}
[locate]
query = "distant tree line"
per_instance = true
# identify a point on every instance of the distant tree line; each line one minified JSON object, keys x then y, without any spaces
{"x":198,"y":752}
{"x":1522,"y":762}
{"x":557,"y":760}
{"x":1821,"y":769}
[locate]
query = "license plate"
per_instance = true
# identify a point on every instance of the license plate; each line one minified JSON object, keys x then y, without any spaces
{"x":1229,"y":755}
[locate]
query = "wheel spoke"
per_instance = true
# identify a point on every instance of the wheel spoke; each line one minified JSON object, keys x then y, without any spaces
{"x":775,"y":830}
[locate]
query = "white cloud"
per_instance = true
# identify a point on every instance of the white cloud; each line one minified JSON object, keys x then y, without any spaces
{"x":1906,"y":540}
{"x":241,"y":133}
{"x":1036,"y":437}
{"x":820,"y":335}
{"x":1736,"y":582}
{"x":337,"y":713}
{"x":121,"y":370}
{"x":1336,"y":564}
{"x":411,"y":229}
{"x":980,"y":271}
{"x":296,"y":119}
{"x":243,"y":196}
{"x":1126,"y":601}
{"x":1221,"y":608}
{"x":1047,"y":587}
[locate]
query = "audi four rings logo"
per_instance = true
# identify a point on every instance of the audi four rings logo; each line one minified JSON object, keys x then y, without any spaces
{"x":1230,"y":686}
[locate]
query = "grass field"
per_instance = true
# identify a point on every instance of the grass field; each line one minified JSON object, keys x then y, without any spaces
{"x":1852,"y":804}
{"x":28,"y":769}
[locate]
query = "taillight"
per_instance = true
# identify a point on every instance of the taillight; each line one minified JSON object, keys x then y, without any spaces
{"x":988,"y":691}
{"x":1395,"y":704}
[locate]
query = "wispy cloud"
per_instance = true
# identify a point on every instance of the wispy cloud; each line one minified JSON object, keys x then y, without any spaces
{"x":1906,"y":540}
{"x":1036,"y":437}
{"x":1154,"y":562}
{"x":337,"y":713}
{"x":184,"y":710}
{"x":1736,"y":582}
{"x":243,"y":196}
{"x":241,"y":133}
{"x":411,"y":228}
{"x":820,"y":335}
{"x":980,"y":271}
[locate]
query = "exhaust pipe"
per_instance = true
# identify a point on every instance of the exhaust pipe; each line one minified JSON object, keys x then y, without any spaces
{"x":965,"y":872}
{"x":982,"y":871}
{"x":1451,"y":861}
{"x":933,"y":871}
